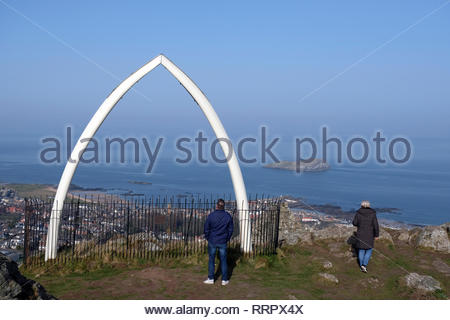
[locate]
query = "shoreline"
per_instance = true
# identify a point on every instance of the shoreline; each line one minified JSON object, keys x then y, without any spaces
{"x":89,"y":194}
{"x":46,"y":191}
{"x":346,"y":216}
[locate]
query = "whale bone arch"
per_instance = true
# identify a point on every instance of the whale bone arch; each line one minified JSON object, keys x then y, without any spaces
{"x":98,"y":118}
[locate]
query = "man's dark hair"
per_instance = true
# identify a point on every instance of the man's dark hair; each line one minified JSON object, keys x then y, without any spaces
{"x":221,"y":204}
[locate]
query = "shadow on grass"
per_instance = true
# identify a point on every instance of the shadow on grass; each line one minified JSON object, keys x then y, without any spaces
{"x":233,"y":256}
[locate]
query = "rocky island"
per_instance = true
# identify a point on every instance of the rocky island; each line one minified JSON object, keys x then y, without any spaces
{"x":314,"y":165}
{"x":139,"y":182}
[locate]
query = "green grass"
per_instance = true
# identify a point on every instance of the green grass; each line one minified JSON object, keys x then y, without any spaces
{"x":40,"y":191}
{"x":440,"y":294}
{"x":293,"y":271}
{"x":64,"y":281}
{"x":400,"y":261}
{"x":31,"y":190}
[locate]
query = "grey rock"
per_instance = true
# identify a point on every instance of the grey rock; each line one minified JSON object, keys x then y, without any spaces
{"x":422,"y":282}
{"x":446,"y":227}
{"x":349,"y":255}
{"x":413,"y":234}
{"x":299,"y":235}
{"x":335,"y":247}
{"x":371,"y":282}
{"x":403,"y":236}
{"x":334,"y":231}
{"x":340,"y":249}
{"x":327,"y":264}
{"x":329,"y":277}
{"x":292,"y":231}
{"x":13,"y":285}
{"x":435,"y":238}
{"x":385,"y":235}
{"x":441,"y":266}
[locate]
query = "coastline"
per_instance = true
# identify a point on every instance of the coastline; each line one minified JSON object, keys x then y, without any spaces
{"x":320,"y":211}
{"x":45,"y":191}
{"x":342,"y":185}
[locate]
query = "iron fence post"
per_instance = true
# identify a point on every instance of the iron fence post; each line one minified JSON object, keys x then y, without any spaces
{"x":26,"y":246}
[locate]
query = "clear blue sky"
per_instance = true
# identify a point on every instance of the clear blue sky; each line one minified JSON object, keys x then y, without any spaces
{"x":255,"y":62}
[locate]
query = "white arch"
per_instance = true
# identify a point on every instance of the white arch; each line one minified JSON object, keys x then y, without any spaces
{"x":102,"y":113}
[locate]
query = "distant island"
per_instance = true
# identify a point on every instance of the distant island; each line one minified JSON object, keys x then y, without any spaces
{"x":315,"y":165}
{"x":139,"y":182}
{"x":132,"y":194}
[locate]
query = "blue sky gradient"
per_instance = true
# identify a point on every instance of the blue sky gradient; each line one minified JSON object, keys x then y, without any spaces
{"x":255,"y":61}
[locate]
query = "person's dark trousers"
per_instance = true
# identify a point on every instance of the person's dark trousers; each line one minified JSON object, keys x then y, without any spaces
{"x":223,"y":260}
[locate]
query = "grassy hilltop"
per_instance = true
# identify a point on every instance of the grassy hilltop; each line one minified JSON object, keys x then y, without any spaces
{"x":294,"y":273}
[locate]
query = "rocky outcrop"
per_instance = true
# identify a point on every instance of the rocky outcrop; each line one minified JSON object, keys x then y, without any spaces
{"x":441,"y":266}
{"x":13,"y":285}
{"x":385,"y":236}
{"x":433,"y":237}
{"x":313,"y":165}
{"x":333,"y":231}
{"x":403,"y":236}
{"x":430,"y":237}
{"x":328,"y":277}
{"x":422,"y":282}
{"x":446,"y":227}
{"x":371,"y":282}
{"x":293,"y":231}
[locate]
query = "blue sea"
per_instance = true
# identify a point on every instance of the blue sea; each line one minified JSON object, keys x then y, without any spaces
{"x":420,"y":189}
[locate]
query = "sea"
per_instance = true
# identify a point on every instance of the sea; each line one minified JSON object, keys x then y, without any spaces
{"x":419,"y":189}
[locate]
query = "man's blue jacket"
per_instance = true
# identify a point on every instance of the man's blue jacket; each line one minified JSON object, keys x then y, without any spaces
{"x":218,"y":227}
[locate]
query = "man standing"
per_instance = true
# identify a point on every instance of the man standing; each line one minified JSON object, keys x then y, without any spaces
{"x":218,"y":231}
